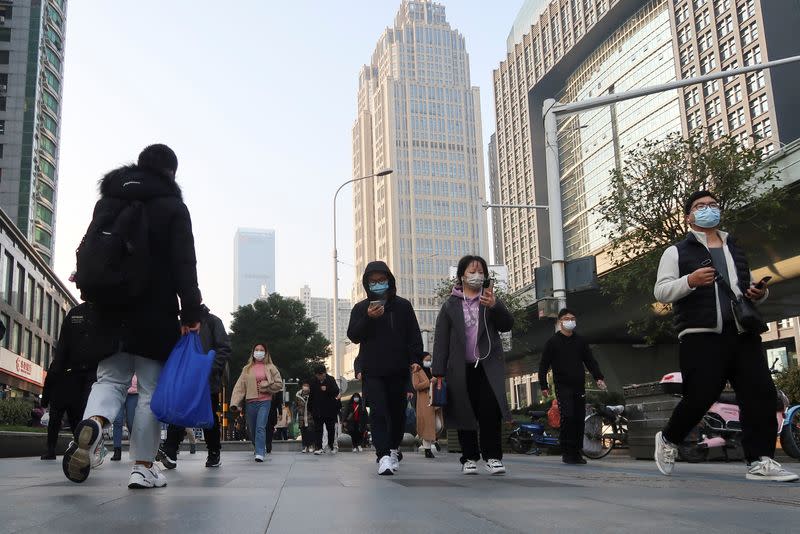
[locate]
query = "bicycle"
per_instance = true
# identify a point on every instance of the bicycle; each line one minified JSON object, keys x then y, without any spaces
{"x":605,"y":429}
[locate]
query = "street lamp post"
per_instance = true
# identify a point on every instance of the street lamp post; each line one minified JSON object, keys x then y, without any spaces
{"x":336,"y":362}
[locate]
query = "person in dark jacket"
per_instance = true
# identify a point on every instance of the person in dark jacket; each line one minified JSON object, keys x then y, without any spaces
{"x":212,"y":337}
{"x":275,"y":409}
{"x":324,"y":406}
{"x":147,"y":326}
{"x":714,"y":349}
{"x":385,"y":327}
{"x":468,"y":353}
{"x":567,"y":353}
{"x":73,"y":371}
{"x":354,"y":421}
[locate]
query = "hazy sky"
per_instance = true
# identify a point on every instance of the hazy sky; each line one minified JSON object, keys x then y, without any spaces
{"x":257,"y":98}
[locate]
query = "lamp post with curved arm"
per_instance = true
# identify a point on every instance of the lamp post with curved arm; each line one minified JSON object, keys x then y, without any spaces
{"x":336,"y":363}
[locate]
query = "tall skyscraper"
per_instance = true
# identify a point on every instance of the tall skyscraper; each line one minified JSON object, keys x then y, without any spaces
{"x":494,"y":195}
{"x":253,"y":265}
{"x":578,"y":50}
{"x":320,"y":310}
{"x":31,"y":75}
{"x":419,"y":115}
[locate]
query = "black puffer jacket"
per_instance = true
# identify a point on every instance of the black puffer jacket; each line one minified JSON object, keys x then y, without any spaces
{"x":390,"y":343}
{"x":214,"y":337}
{"x":324,"y":404}
{"x":149,"y":325}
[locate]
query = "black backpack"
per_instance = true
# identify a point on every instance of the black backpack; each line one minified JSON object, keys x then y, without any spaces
{"x":113,"y":259}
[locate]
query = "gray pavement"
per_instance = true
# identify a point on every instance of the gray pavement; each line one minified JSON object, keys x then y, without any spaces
{"x":295,"y":492}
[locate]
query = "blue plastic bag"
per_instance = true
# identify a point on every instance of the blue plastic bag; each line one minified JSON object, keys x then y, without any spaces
{"x":183,"y":394}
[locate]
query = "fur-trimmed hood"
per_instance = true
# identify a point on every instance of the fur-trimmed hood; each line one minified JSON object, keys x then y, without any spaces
{"x":133,"y":182}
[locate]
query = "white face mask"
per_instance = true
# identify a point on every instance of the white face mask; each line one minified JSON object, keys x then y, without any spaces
{"x":259,"y":355}
{"x":474,"y":280}
{"x":427,"y":363}
{"x":306,"y":390}
{"x":569,"y":325}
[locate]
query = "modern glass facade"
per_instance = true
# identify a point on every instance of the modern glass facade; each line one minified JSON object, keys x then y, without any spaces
{"x":253,"y":265}
{"x":593,"y":143}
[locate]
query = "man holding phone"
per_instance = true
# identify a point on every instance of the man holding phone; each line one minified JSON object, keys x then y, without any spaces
{"x":714,"y":349}
{"x":385,"y":327}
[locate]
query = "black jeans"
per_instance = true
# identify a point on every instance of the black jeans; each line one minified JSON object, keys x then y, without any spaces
{"x":572,"y":405}
{"x":330,"y":425}
{"x":358,"y":438}
{"x":282,"y":433}
{"x":490,"y":419}
{"x":386,"y":398}
{"x":307,"y":435}
{"x":175,"y":434}
{"x":74,"y":416}
{"x":707,"y":362}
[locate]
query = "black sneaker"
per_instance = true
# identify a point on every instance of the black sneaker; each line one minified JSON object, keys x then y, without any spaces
{"x":573,"y":459}
{"x":429,"y":454}
{"x":213,"y":459}
{"x":49,"y":455}
{"x":117,"y":455}
{"x":77,"y":460}
{"x":167,"y":458}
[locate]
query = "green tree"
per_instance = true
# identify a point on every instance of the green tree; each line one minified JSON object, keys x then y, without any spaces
{"x":789,"y":382}
{"x":294,"y":341}
{"x":643,"y":214}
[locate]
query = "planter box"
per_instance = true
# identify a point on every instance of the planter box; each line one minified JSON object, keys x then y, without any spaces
{"x":19,"y":444}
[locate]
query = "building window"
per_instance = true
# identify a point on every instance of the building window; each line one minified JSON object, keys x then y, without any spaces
{"x":4,"y":56}
{"x":759,"y":106}
{"x":30,"y":294}
{"x":785,"y":323}
{"x":733,"y":95}
{"x":703,"y":20}
{"x":763,"y":129}
{"x":2,"y":103}
{"x":2,"y":126}
{"x":713,"y":108}
{"x":687,"y":56}
{"x":7,"y":321}
{"x":720,"y":6}
{"x":750,"y":34}
{"x":16,"y":338}
{"x":21,"y":289}
{"x":725,"y":27}
{"x":736,"y":119}
{"x":755,"y":81}
{"x":685,"y":35}
{"x":522,"y":395}
{"x":753,"y":57}
{"x":705,"y":42}
{"x":5,"y":35}
{"x":692,"y":98}
{"x":44,"y":214}
{"x":746,"y":10}
{"x":728,"y":50}
{"x":709,"y":88}
{"x":707,"y":64}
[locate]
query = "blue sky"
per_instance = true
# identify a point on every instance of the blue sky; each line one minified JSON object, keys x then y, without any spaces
{"x":257,"y":98}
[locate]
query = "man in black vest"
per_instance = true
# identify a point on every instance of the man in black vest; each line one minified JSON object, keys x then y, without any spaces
{"x":713,"y":349}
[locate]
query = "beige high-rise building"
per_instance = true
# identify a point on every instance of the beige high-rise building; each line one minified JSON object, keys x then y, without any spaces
{"x":573,"y":50}
{"x":419,"y":115}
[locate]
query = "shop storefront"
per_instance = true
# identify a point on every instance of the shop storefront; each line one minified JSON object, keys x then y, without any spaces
{"x":19,"y":377}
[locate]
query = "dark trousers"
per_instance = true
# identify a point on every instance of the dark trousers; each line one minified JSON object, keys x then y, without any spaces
{"x":490,"y":419}
{"x":707,"y":362}
{"x":330,"y":424}
{"x":282,"y":433}
{"x":74,"y":416}
{"x":572,"y":405}
{"x":386,"y":398}
{"x":175,"y":434}
{"x":358,"y":438}
{"x":307,"y":435}
{"x":270,"y":437}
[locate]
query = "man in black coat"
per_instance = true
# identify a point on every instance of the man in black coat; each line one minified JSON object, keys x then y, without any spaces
{"x":385,"y":327}
{"x":148,"y":325}
{"x":568,"y":353}
{"x":213,"y":337}
{"x":73,"y":370}
{"x":324,"y":406}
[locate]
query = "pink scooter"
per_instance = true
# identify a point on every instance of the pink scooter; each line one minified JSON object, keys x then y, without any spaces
{"x":720,"y":426}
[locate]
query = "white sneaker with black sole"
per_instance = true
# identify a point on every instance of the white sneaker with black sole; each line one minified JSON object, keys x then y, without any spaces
{"x":83,"y":451}
{"x":143,"y":477}
{"x":386,"y":466}
{"x":769,"y":470}
{"x":394,"y":454}
{"x":495,"y":467}
{"x":319,"y":452}
{"x":665,"y":455}
{"x":469,"y":468}
{"x":259,"y":458}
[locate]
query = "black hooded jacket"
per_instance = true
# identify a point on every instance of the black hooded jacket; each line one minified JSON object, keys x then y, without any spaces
{"x":390,"y":343}
{"x":149,"y":326}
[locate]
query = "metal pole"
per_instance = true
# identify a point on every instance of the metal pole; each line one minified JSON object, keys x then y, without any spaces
{"x":590,"y":103}
{"x":486,"y":206}
{"x":337,"y":366}
{"x":554,"y":202}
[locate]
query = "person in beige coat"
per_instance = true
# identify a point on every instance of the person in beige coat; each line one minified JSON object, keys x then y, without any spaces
{"x":429,"y":418}
{"x":253,"y":391}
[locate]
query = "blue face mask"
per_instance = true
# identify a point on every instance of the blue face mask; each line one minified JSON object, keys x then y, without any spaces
{"x":707,"y":217}
{"x":379,"y":288}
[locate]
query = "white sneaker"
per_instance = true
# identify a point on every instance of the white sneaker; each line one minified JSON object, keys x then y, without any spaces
{"x":99,"y":456}
{"x":146,"y":477}
{"x":495,"y":467}
{"x":469,"y":468}
{"x":665,"y":455}
{"x":259,"y":458}
{"x":395,"y":457}
{"x":304,"y":450}
{"x":360,"y":449}
{"x":319,"y":452}
{"x":386,"y":466}
{"x":84,"y":451}
{"x":769,"y":470}
{"x":334,"y":450}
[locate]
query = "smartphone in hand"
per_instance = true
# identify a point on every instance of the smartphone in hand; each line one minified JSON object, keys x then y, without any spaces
{"x":763,"y":282}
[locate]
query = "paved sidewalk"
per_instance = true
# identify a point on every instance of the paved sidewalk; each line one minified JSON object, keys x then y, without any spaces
{"x":295,"y":492}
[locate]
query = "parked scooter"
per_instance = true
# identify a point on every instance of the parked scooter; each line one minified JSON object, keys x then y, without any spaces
{"x":720,"y":426}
